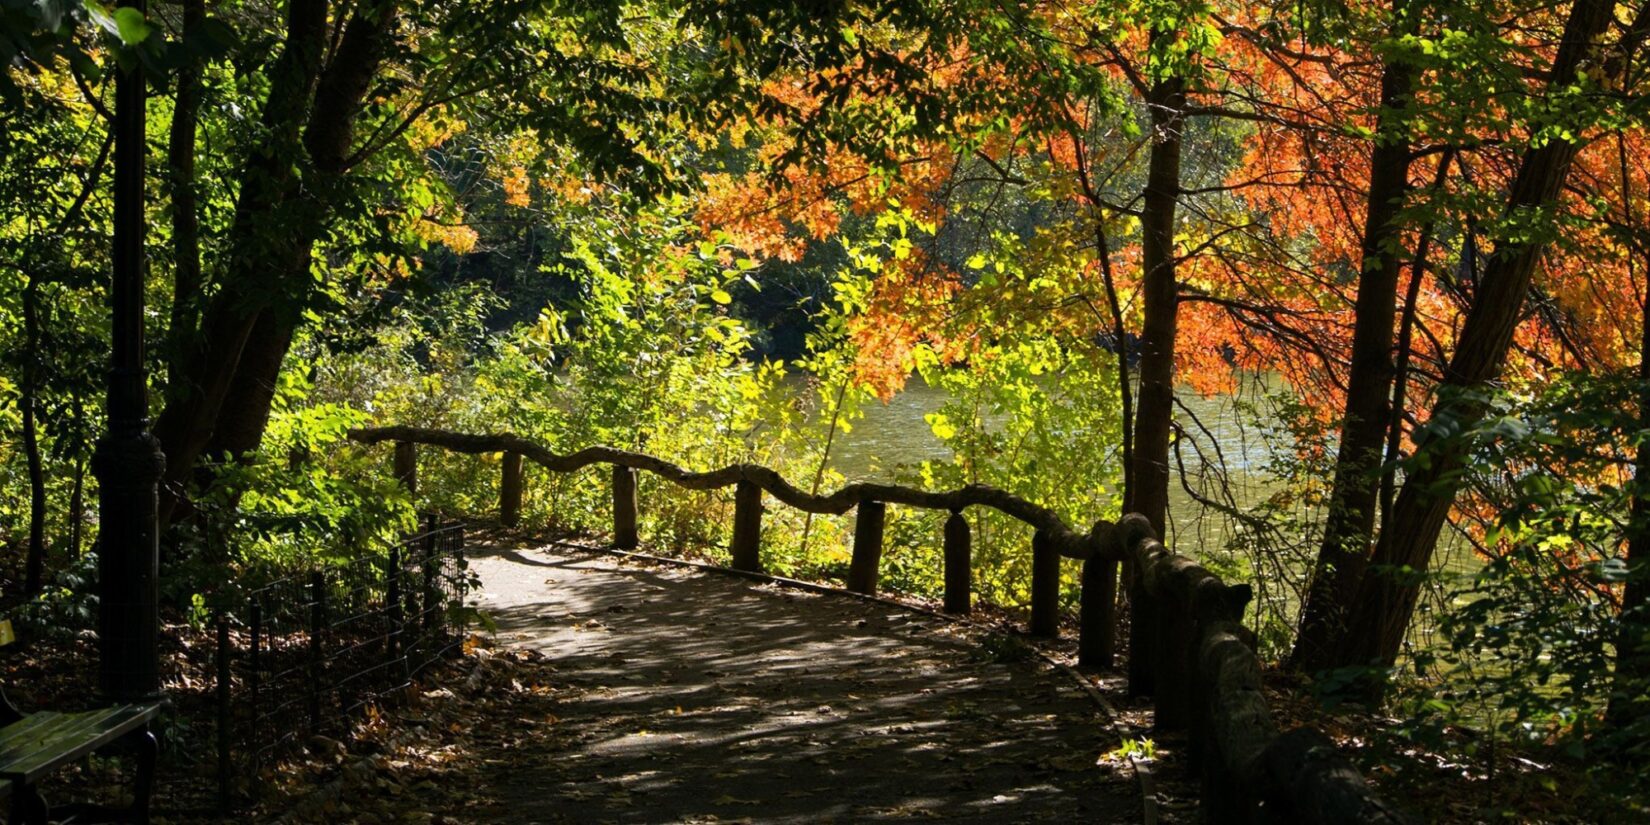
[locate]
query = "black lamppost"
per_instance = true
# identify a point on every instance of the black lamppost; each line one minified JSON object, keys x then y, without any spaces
{"x":128,"y":461}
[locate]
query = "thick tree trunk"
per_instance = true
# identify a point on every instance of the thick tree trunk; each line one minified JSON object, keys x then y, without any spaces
{"x":245,"y":411}
{"x":1149,"y":478}
{"x":1386,"y":597}
{"x":278,"y":221}
{"x":327,"y":141}
{"x":1352,"y":503}
{"x":267,"y":244}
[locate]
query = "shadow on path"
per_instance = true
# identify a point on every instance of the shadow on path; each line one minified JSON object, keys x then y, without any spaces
{"x":690,"y":697}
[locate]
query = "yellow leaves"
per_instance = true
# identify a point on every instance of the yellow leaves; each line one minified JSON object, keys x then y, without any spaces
{"x":515,"y":187}
{"x":433,"y":130}
{"x":941,"y":425}
{"x":459,"y":238}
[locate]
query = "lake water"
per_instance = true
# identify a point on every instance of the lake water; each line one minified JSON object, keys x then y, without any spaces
{"x":1224,"y":456}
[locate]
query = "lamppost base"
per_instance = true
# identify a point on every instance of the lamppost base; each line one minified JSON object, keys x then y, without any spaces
{"x":128,"y":463}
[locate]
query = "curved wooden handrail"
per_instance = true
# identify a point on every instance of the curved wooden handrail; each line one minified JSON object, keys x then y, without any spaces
{"x":1068,"y":542}
{"x":1188,"y":647}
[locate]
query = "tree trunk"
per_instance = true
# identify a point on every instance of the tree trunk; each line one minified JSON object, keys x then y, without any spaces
{"x":327,"y":142}
{"x":34,"y":565}
{"x":1351,"y":522}
{"x":1386,"y":597}
{"x":1627,"y":703}
{"x":245,"y":411}
{"x":1149,"y":480}
{"x":267,"y":244}
{"x":278,"y":220}
{"x":77,"y":511}
{"x":180,"y":156}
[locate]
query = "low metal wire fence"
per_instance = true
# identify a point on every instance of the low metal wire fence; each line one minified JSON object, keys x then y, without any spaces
{"x":316,"y":648}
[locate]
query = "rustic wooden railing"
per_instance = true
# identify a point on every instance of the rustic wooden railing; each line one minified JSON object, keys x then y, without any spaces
{"x":1188,"y":647}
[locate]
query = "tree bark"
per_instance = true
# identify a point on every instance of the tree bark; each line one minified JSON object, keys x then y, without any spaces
{"x":246,"y":408}
{"x":1627,"y":703}
{"x":1351,"y":523}
{"x":265,"y":244}
{"x":1148,"y":492}
{"x":34,"y":565}
{"x":1386,"y":597}
{"x":245,"y":332}
{"x":180,"y":157}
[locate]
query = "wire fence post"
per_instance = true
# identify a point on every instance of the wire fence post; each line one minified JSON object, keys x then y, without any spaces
{"x":393,"y":607}
{"x":429,"y":598}
{"x":255,"y":676}
{"x":461,"y":580}
{"x":223,"y":714}
{"x":317,"y":624}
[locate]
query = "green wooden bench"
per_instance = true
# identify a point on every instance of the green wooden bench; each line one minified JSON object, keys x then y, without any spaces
{"x":34,"y":745}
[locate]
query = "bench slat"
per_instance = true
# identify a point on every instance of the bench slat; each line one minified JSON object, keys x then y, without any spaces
{"x":24,"y":728}
{"x":63,"y":737}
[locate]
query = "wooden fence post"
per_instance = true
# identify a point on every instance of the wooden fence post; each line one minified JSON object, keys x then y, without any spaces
{"x":747,"y":527}
{"x":959,"y":565}
{"x":406,"y":465}
{"x":1135,"y":533}
{"x":509,"y":490}
{"x":625,"y":536}
{"x":862,"y":569}
{"x":1045,"y":586}
{"x":1097,"y":638}
{"x":1175,"y":640}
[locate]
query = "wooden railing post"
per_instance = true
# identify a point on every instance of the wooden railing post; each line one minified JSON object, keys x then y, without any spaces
{"x":509,"y":490}
{"x":625,"y":536}
{"x":1175,"y":639}
{"x":406,"y":465}
{"x":747,"y":527}
{"x":1045,"y":586}
{"x":862,"y":569}
{"x":1133,"y":534}
{"x":1097,"y":637}
{"x":959,"y":565}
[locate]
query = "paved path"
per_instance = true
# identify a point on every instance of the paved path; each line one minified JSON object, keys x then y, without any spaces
{"x":696,"y":697}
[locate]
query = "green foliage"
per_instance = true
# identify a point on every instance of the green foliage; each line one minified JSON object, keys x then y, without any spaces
{"x":1523,"y":649}
{"x":1036,"y":417}
{"x":1143,"y":750}
{"x":65,"y":609}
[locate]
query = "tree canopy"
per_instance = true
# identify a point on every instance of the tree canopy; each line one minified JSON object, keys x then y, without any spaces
{"x":1407,"y":241}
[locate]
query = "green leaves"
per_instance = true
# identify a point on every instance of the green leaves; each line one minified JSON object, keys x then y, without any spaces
{"x":130,"y":26}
